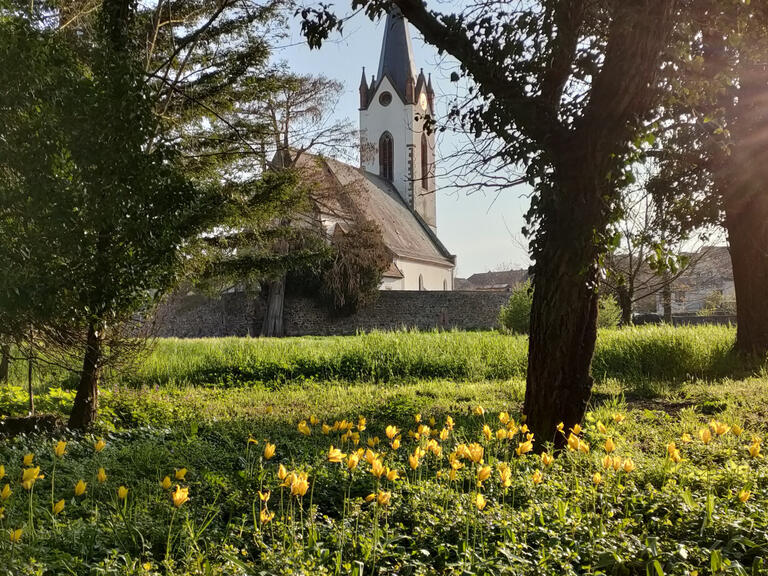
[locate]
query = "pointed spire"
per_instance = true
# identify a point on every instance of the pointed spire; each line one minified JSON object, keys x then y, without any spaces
{"x":421,"y":83}
{"x":430,"y":94}
{"x":396,"y":60}
{"x":363,"y":92}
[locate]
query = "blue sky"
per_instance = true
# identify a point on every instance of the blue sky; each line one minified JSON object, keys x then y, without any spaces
{"x":482,"y":229}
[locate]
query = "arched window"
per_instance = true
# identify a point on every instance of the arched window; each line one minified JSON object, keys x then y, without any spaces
{"x":386,"y":157}
{"x":424,"y":161}
{"x":421,"y":282}
{"x":445,"y":284}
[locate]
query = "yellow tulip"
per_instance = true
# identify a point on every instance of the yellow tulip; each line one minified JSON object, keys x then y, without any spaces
{"x":537,"y":477}
{"x":6,"y":492}
{"x":313,"y":420}
{"x":686,"y":438}
{"x":476,"y":452}
{"x":487,"y":432}
{"x":300,"y":485}
{"x":618,"y":418}
{"x":737,"y":430}
{"x":304,"y":428}
{"x":601,"y":427}
{"x":335,"y":455}
{"x":547,"y":459}
{"x":28,"y":459}
{"x":480,"y":501}
{"x":15,"y":535}
{"x":373,"y":442}
{"x":505,"y":474}
{"x":392,"y":475}
{"x":29,"y":477}
{"x":501,"y":434}
{"x":80,"y":488}
{"x":58,"y":507}
{"x":610,"y":445}
{"x":417,"y":418}
{"x":524,"y":447}
{"x":352,"y":461}
{"x":391,"y":431}
{"x":101,"y":476}
{"x":252,"y":440}
{"x":265,"y":516}
{"x":166,"y":483}
{"x":576,"y":429}
{"x":560,"y":427}
{"x":483,"y":473}
{"x":479,"y":410}
{"x":721,"y":428}
{"x":413,"y":461}
{"x":99,"y":445}
{"x":2,"y":471}
{"x":377,"y":469}
{"x":269,"y":450}
{"x":628,"y":465}
{"x":361,"y":424}
{"x":597,"y":478}
{"x":744,"y":495}
{"x":449,"y":423}
{"x":122,"y":493}
{"x":705,"y":435}
{"x":264,"y":496}
{"x":326,"y":429}
{"x":754,"y":450}
{"x":180,"y":474}
{"x":607,"y":462}
{"x":179,"y":496}
{"x":573,"y":442}
{"x":503,"y":417}
{"x":282,"y":472}
{"x":444,"y":434}
{"x":675,"y":456}
{"x":60,"y":448}
{"x":383,"y":498}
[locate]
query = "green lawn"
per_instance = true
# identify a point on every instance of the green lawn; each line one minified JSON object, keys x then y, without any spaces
{"x":660,"y":517}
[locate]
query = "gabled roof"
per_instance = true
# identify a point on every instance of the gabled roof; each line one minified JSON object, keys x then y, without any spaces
{"x":405,"y":234}
{"x":396,"y":61}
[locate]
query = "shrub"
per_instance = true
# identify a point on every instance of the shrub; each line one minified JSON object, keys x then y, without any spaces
{"x":515,"y":316}
{"x":608,"y":312}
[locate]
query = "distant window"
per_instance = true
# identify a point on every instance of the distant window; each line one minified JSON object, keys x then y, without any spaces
{"x":445,"y":284}
{"x":385,"y":99}
{"x":421,"y":282}
{"x":386,"y":156}
{"x":424,"y":161}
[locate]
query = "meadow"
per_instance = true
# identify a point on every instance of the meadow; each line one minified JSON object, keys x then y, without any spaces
{"x":394,"y":454}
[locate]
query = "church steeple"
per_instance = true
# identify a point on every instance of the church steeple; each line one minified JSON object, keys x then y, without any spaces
{"x":363,"y":91}
{"x":396,"y":60}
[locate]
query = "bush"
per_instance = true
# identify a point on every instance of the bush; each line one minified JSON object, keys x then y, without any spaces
{"x":608,"y":312}
{"x":515,"y":317}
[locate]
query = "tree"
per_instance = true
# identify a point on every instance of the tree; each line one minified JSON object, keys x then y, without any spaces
{"x":95,"y":220}
{"x":567,"y":87}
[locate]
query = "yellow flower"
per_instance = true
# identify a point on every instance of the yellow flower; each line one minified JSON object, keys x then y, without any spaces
{"x":58,"y":507}
{"x":179,"y":496}
{"x":547,"y":459}
{"x":300,"y":485}
{"x":576,"y":429}
{"x":373,"y":442}
{"x":607,"y":462}
{"x":618,"y":418}
{"x":395,"y":444}
{"x":269,"y":451}
{"x":560,"y":427}
{"x":479,"y":410}
{"x":80,"y":488}
{"x":417,"y":418}
{"x":166,"y":483}
{"x":628,"y":465}
{"x":737,"y":430}
{"x":370,"y":456}
{"x":383,"y":498}
{"x":391,"y":431}
{"x":335,"y":455}
{"x":377,"y":468}
{"x":282,"y":472}
{"x":675,"y":456}
{"x":15,"y":535}
{"x":483,"y":473}
{"x":413,"y":461}
{"x":705,"y":435}
{"x":352,"y":461}
{"x":29,"y":477}
{"x":475,"y":452}
{"x":99,"y":445}
{"x":537,"y":477}
{"x":720,"y":428}
{"x":60,"y":448}
{"x":122,"y":493}
{"x":392,"y":475}
{"x":524,"y":447}
{"x":6,"y":492}
{"x":501,"y":434}
{"x":480,"y":501}
{"x":2,"y":471}
{"x":181,"y":473}
{"x":264,"y":496}
{"x":573,"y":442}
{"x":487,"y":432}
{"x":444,"y":434}
{"x":326,"y":429}
{"x":313,"y":420}
{"x":101,"y":476}
{"x":524,"y":429}
{"x":304,"y":428}
{"x":744,"y":495}
{"x":28,"y":459}
{"x":597,"y":478}
{"x":505,"y":474}
{"x":449,"y":423}
{"x":671,"y":447}
{"x":686,"y":438}
{"x":265,"y":516}
{"x":503,"y":417}
{"x":361,"y":424}
{"x":601,"y":427}
{"x":610,"y":445}
{"x":432,"y":421}
{"x":252,"y":440}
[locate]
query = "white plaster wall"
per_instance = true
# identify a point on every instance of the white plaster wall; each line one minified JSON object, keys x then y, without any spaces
{"x":432,"y":274}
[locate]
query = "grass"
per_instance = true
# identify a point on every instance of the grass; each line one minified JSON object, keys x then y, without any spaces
{"x":662,"y":517}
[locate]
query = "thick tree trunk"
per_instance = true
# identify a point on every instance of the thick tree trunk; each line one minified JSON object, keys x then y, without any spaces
{"x":5,"y":362}
{"x":564,"y":310}
{"x":273,"y":316}
{"x":747,"y":225}
{"x":86,"y":403}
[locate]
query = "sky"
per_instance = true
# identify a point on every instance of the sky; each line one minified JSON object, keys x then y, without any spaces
{"x":481,"y":228}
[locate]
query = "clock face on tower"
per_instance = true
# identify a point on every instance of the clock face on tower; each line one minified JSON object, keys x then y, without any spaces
{"x":423,"y":101}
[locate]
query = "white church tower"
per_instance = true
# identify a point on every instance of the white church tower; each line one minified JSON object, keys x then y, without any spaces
{"x":394,"y":144}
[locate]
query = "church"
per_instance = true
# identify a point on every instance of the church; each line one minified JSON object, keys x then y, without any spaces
{"x":394,"y":186}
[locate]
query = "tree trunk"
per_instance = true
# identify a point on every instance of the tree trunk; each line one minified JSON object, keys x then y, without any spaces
{"x":625,"y":303}
{"x":86,"y":403}
{"x":666,"y":299}
{"x":747,"y":225}
{"x":273,"y":316}
{"x":564,"y":311}
{"x":30,"y":365}
{"x":5,"y":362}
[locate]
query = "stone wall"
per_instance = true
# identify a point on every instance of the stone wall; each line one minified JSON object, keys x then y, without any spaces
{"x":196,"y":316}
